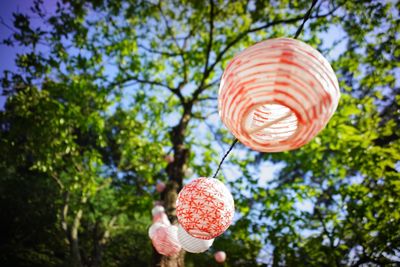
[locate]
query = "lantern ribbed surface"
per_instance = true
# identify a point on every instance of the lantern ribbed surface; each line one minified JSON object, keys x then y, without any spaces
{"x":192,"y":244}
{"x":165,"y":240}
{"x":220,"y":256}
{"x":205,"y":208}
{"x":279,"y":79}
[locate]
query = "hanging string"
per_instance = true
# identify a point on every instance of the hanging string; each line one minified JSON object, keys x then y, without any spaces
{"x":306,"y":17}
{"x":226,"y":154}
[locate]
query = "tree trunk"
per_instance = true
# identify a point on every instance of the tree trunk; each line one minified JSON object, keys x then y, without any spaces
{"x":76,"y":255}
{"x":175,"y":171}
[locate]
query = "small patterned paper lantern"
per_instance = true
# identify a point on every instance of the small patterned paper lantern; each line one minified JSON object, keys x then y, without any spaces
{"x":161,"y":217}
{"x":279,"y":79}
{"x":165,"y":240}
{"x":160,"y":187}
{"x":205,"y":208}
{"x":192,"y":244}
{"x":157,"y":209}
{"x":154,"y":227}
{"x":220,"y":256}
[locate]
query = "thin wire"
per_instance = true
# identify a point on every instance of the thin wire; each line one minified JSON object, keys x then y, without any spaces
{"x":306,"y":17}
{"x":226,"y":154}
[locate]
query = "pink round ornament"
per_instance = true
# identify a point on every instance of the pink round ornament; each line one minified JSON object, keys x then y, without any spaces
{"x":160,"y":187}
{"x":205,"y":208}
{"x":169,"y":158}
{"x":192,"y":244}
{"x":161,"y":217}
{"x":277,"y":95}
{"x":165,"y":240}
{"x":220,"y":256}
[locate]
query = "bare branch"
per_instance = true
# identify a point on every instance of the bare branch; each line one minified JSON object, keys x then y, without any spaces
{"x":210,"y":40}
{"x":175,"y":91}
{"x":181,"y":52}
{"x":58,"y":181}
{"x":159,"y":52}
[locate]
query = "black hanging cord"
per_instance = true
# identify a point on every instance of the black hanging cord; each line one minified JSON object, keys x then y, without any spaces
{"x":226,"y":154}
{"x":306,"y":17}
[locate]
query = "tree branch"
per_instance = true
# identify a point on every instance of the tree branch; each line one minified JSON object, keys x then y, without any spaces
{"x":158,"y":52}
{"x":210,"y":40}
{"x":181,"y":52}
{"x":221,"y":54}
{"x":175,"y":91}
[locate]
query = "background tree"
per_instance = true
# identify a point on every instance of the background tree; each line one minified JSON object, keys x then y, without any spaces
{"x":105,"y":89}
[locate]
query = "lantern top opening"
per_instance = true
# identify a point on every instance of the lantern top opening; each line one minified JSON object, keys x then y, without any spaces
{"x":264,"y":123}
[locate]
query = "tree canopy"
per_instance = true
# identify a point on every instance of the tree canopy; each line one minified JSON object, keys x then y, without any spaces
{"x":104,"y":90}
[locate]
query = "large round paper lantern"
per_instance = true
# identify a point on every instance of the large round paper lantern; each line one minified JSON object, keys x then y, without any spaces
{"x":165,"y":240}
{"x":220,"y":256}
{"x":282,"y":80}
{"x":205,"y":208}
{"x":154,"y":227}
{"x":161,"y":217}
{"x":157,"y":209}
{"x":192,"y":244}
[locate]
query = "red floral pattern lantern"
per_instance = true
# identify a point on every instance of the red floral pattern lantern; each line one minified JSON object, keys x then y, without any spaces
{"x":205,"y":208}
{"x":282,"y":80}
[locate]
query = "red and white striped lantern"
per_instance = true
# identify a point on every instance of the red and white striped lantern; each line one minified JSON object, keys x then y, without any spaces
{"x":165,"y":240}
{"x":161,"y":217}
{"x":154,"y":227}
{"x":220,"y":256}
{"x":205,"y":208}
{"x":157,"y":209}
{"x":192,"y":244}
{"x":282,"y":80}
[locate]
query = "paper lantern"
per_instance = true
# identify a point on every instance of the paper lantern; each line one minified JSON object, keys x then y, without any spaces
{"x":158,"y":203}
{"x":220,"y":256}
{"x":161,"y":217}
{"x":279,"y":79}
{"x":154,"y":227}
{"x":160,"y":187}
{"x":169,"y":158}
{"x":189,"y":172}
{"x":157,"y":209}
{"x":192,"y":244}
{"x":205,"y":208}
{"x":165,"y":240}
